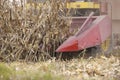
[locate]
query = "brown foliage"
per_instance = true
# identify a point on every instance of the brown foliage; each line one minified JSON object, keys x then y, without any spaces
{"x":31,"y":33}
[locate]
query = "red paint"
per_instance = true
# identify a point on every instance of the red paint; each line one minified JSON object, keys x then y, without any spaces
{"x":70,"y":44}
{"x":96,"y":32}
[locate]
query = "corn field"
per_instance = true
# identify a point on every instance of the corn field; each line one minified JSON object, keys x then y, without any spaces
{"x":33,"y":32}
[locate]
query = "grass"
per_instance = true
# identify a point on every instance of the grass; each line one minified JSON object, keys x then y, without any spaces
{"x":101,"y":68}
{"x":22,"y":72}
{"x":5,"y":72}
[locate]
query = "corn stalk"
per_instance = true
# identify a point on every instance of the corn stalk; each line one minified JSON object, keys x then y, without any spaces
{"x":31,"y":33}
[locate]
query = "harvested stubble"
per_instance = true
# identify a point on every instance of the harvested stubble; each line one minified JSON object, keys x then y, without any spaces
{"x":31,"y":33}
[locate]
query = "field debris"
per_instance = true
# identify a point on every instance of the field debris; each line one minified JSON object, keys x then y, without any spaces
{"x":101,"y":68}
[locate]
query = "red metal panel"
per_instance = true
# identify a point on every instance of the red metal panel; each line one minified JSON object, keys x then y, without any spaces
{"x":71,"y":44}
{"x":78,"y":21}
{"x":98,"y":31}
{"x":105,"y":28}
{"x":89,"y":39}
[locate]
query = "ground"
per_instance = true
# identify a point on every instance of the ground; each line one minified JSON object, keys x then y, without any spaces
{"x":99,"y":68}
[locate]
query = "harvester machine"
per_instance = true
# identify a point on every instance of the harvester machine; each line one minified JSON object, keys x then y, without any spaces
{"x":93,"y":26}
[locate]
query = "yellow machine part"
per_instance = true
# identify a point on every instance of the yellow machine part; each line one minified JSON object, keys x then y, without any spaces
{"x":105,"y":45}
{"x":83,"y":5}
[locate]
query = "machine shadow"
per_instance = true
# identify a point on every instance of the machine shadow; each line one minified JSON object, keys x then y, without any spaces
{"x":86,"y":53}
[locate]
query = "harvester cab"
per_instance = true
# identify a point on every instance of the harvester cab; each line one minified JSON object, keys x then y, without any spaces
{"x":93,"y":25}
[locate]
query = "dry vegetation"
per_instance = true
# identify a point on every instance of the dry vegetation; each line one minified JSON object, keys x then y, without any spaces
{"x":101,"y":68}
{"x":31,"y":33}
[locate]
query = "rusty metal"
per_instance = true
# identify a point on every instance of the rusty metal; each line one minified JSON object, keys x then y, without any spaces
{"x":103,"y":8}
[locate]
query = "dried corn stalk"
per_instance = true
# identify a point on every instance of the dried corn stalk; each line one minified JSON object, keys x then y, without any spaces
{"x":31,"y":33}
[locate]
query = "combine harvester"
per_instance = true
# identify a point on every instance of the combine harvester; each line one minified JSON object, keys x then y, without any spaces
{"x":95,"y":30}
